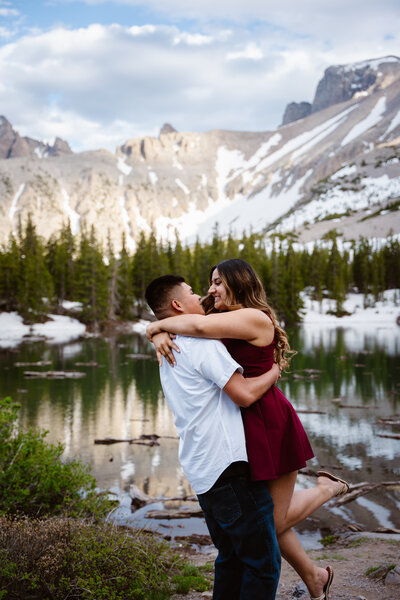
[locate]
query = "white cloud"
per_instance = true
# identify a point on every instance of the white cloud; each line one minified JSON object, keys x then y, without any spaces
{"x":8,"y":12}
{"x":251,"y":51}
{"x":101,"y":84}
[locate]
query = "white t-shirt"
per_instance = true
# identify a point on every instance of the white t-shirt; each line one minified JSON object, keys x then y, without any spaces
{"x":209,"y":424}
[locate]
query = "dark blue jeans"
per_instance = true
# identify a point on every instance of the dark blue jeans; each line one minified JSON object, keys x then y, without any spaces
{"x":240,"y":518}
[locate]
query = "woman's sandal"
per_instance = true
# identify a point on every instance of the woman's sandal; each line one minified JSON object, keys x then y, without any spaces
{"x":345,"y":486}
{"x":327,"y":586}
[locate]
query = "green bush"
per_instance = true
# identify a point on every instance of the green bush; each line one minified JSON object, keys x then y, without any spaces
{"x":35,"y":481}
{"x":60,"y":558}
{"x":190,"y":578}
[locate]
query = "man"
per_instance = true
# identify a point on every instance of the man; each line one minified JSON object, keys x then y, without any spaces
{"x":200,"y":389}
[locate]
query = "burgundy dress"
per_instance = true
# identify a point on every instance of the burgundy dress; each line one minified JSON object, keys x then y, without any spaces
{"x":275,"y":438}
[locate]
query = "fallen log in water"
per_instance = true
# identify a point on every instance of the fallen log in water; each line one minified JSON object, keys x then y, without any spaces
{"x":89,"y":363}
{"x":195,"y":538}
{"x":311,"y":412}
{"x":39,"y":363}
{"x":54,"y":374}
{"x":144,"y":440}
{"x":178,"y":513}
{"x":140,"y":499}
{"x":361,"y":489}
{"x":394,"y":436}
{"x":386,"y":530}
{"x":395,"y":420}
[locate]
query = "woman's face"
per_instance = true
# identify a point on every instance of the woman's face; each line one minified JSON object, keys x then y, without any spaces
{"x":218,"y":291}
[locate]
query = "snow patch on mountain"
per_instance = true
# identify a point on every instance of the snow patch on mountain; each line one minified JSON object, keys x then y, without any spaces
{"x":152,"y":176}
{"x":14,"y":204}
{"x":183,"y":187}
{"x":372,"y":64}
{"x":73,"y":216}
{"x":130,"y":242}
{"x":255,"y":212}
{"x":337,"y":201}
{"x":371,"y":120}
{"x":122,"y":166}
{"x":344,"y":172}
{"x":393,"y":124}
{"x":305,"y":140}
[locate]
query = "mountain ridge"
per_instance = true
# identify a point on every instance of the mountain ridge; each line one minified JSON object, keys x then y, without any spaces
{"x":263,"y":181}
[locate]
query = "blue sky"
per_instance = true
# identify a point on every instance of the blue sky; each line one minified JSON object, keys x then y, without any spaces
{"x":98,"y":72}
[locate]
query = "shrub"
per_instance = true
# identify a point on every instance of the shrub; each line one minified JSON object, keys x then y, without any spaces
{"x":60,"y":558}
{"x":35,"y":481}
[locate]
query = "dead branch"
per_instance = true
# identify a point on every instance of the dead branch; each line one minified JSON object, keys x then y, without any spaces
{"x":361,"y":489}
{"x":54,"y":374}
{"x":181,"y":513}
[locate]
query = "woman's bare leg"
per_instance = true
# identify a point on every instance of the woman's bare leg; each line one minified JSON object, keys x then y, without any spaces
{"x":290,"y":508}
{"x":299,"y":504}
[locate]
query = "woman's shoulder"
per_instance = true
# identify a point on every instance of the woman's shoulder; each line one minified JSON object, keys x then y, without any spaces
{"x":256,"y":313}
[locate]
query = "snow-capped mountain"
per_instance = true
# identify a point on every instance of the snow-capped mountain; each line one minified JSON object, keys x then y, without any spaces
{"x":337,"y":167}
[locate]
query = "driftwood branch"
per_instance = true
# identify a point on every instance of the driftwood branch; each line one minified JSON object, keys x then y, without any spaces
{"x":54,"y":374}
{"x":144,"y":440}
{"x":361,"y":489}
{"x":394,"y":420}
{"x":90,"y":363}
{"x":179,"y":513}
{"x":39,"y":363}
{"x":140,"y":499}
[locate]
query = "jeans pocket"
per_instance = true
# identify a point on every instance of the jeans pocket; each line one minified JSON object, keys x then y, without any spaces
{"x":225,"y":505}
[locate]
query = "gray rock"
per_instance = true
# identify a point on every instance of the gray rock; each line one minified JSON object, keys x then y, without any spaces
{"x":393,"y":576}
{"x":167,"y":128}
{"x":300,"y":591}
{"x":295,"y":111}
{"x":12,"y":145}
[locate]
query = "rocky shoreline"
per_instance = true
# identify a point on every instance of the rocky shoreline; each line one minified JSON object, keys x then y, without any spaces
{"x":366,"y":567}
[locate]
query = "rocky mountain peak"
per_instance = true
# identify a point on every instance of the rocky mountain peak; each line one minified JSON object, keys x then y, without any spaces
{"x":12,"y":145}
{"x":295,"y":111}
{"x":341,"y":83}
{"x":167,"y":128}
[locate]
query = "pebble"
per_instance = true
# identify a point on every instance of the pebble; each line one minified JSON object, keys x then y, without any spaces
{"x":393,"y":576}
{"x":300,"y":591}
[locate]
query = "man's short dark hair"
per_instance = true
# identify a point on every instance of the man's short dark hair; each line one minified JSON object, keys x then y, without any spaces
{"x":158,"y":292}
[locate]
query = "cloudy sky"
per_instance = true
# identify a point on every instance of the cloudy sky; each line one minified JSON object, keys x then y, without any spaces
{"x":98,"y":72}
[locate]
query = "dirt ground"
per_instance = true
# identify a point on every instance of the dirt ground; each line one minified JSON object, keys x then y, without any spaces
{"x":351,"y":556}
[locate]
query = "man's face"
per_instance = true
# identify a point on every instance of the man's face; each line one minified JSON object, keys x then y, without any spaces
{"x":190,"y":302}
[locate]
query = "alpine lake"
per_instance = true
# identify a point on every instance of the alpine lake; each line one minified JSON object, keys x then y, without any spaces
{"x":344,"y":383}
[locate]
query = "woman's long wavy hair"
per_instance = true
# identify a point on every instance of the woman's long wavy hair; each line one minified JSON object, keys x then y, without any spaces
{"x":244,"y":290}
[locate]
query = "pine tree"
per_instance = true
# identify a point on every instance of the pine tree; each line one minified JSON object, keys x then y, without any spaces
{"x":335,"y":273}
{"x":140,"y":276}
{"x":112,"y":265}
{"x":92,"y":277}
{"x":124,"y":286}
{"x":291,"y":306}
{"x":35,"y":285}
{"x":179,"y":259}
{"x":10,"y":280}
{"x":60,"y":262}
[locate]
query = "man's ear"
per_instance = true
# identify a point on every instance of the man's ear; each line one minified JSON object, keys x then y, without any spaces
{"x":176,"y":305}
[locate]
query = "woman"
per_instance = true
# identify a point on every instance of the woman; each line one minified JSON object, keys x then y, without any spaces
{"x":277,"y":444}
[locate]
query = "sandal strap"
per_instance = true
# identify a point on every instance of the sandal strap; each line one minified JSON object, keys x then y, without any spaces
{"x":320,"y":597}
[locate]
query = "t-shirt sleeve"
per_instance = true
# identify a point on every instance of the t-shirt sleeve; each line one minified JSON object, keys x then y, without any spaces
{"x":213,"y":361}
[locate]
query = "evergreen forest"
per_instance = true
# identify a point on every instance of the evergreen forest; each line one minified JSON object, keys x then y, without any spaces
{"x":37,"y":276}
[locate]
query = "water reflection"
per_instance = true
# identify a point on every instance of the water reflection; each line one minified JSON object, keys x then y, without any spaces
{"x":342,"y":382}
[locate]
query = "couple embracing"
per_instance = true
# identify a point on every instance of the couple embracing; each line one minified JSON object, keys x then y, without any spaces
{"x":241,"y":441}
